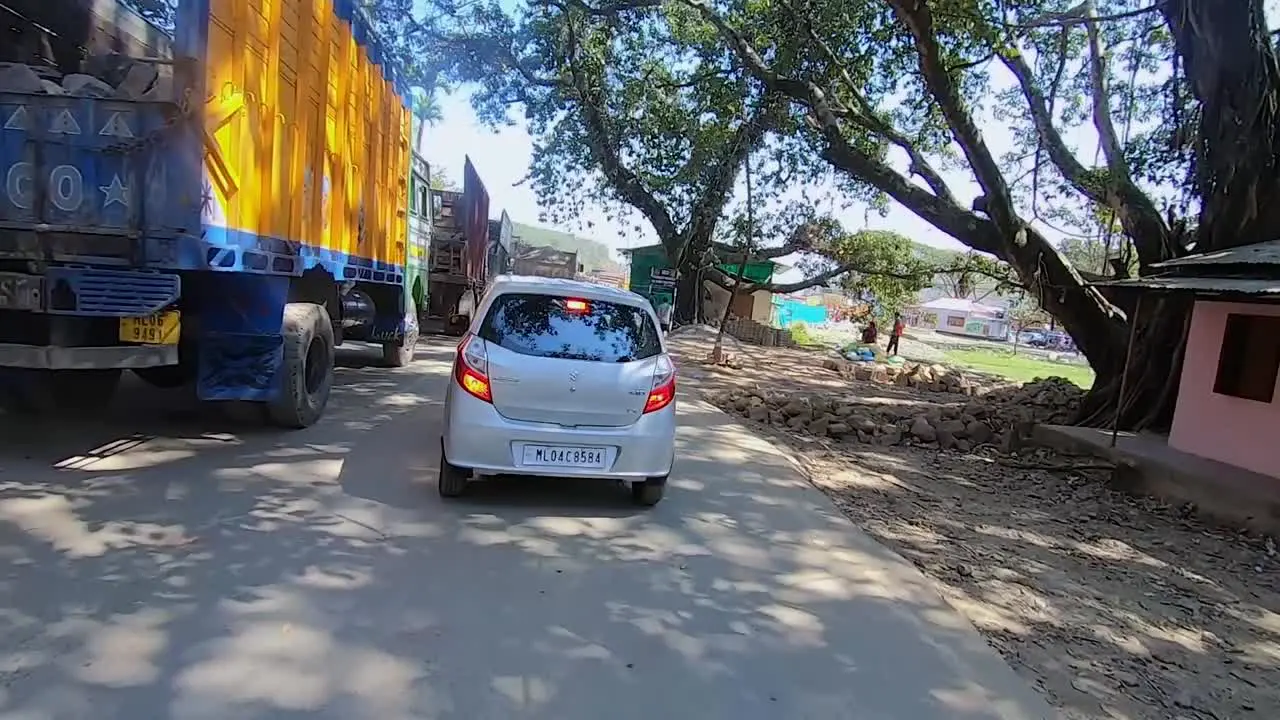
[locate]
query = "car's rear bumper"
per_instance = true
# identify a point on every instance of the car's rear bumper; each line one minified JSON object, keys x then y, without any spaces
{"x":477,"y":437}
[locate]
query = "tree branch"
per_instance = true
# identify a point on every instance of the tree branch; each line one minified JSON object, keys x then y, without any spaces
{"x":1138,"y":215}
{"x":706,"y":213}
{"x":1102,"y":121}
{"x":1079,"y":14}
{"x":951,"y":218}
{"x":1231,"y":66}
{"x":917,"y":18}
{"x":865,"y":115}
{"x":722,"y":279}
{"x":605,"y":148}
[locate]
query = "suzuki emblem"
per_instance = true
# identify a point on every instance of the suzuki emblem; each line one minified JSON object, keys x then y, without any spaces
{"x":573,"y":376}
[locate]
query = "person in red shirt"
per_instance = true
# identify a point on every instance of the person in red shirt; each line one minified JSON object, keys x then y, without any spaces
{"x":895,"y":335}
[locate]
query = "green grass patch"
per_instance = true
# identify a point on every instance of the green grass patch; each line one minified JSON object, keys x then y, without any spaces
{"x":1020,"y":367}
{"x":804,"y":336}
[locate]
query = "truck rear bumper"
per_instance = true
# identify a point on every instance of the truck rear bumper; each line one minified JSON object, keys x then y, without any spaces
{"x":45,"y":357}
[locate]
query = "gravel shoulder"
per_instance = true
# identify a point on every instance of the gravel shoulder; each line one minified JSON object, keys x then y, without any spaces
{"x":1113,"y":606}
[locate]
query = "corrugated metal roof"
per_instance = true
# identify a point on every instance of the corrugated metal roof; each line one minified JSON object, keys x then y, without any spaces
{"x":1202,"y":285}
{"x":1267,"y":253}
{"x":961,"y":305}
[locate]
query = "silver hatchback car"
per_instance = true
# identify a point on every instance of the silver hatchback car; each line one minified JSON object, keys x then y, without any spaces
{"x":561,"y":378}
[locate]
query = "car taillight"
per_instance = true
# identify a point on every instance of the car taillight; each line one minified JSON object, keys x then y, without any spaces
{"x":471,"y":368}
{"x":663,"y":391}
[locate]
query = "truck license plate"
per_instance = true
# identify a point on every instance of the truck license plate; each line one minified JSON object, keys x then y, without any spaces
{"x":20,"y":292}
{"x":564,"y":456}
{"x":163,"y":328}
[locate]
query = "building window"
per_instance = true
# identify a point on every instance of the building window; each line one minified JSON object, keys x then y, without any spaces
{"x":1249,"y":362}
{"x":955,"y":321}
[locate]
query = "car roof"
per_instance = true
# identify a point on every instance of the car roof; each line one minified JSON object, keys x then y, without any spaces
{"x":536,"y":285}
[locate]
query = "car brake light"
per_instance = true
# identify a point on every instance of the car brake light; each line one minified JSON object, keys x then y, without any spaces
{"x":471,"y":368}
{"x":576,"y":306}
{"x":663,"y":391}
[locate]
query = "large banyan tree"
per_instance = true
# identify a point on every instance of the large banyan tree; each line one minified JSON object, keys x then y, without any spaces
{"x":1158,"y":117}
{"x":1205,"y":70}
{"x":646,"y":112}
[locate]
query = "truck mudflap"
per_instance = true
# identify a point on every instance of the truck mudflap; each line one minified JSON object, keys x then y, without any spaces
{"x":125,"y":357}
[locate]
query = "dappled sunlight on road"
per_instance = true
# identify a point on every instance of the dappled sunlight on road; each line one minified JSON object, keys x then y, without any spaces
{"x":317,"y":572}
{"x":1114,"y":606}
{"x":54,"y":520}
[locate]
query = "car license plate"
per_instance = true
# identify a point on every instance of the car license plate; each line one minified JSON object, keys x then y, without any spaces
{"x":20,"y":292}
{"x":163,"y":328}
{"x":564,"y":456}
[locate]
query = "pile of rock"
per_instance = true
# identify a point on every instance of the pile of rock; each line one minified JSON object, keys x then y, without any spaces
{"x":937,"y":378}
{"x":137,"y":80}
{"x":998,"y":417}
{"x":1051,"y":400}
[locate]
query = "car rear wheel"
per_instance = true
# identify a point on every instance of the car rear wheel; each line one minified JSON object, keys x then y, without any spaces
{"x":649,"y":492}
{"x":453,"y":479}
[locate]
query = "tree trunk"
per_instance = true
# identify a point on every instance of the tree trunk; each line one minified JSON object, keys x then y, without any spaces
{"x":688,"y":305}
{"x":1231,"y":68}
{"x":1154,"y":371}
{"x":1230,"y":64}
{"x":689,"y":284}
{"x":717,"y":352}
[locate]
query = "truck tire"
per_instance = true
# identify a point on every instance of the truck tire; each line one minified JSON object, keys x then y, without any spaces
{"x":306,"y":373}
{"x":457,"y":325}
{"x":399,"y":355}
{"x":54,"y":392}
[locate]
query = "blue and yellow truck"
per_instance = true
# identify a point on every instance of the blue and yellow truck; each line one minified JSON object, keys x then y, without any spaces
{"x":218,"y":204}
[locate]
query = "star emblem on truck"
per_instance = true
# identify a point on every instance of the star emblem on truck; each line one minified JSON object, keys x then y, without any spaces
{"x":116,"y":192}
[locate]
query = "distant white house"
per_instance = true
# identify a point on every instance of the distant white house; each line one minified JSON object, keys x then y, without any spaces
{"x":961,"y":317}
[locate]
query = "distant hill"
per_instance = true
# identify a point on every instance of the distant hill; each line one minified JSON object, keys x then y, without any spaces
{"x":592,"y":254}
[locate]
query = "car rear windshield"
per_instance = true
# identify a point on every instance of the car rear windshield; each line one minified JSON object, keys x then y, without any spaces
{"x":570,"y":328}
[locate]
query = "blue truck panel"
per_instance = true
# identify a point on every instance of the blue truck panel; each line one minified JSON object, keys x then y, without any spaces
{"x":95,"y":166}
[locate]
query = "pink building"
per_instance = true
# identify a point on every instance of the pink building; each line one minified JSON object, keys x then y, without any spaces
{"x":1228,"y":407}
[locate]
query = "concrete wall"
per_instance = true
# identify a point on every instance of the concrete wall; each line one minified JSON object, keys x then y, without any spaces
{"x":760,"y":303}
{"x":945,"y":321}
{"x":1228,"y":429}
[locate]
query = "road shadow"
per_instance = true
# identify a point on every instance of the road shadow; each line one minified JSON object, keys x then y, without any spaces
{"x":317,"y":573}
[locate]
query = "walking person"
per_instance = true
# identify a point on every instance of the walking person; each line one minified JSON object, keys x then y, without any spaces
{"x":895,"y":335}
{"x":664,"y":314}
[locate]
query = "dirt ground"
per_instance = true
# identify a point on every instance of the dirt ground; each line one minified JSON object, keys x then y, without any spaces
{"x":1114,"y":606}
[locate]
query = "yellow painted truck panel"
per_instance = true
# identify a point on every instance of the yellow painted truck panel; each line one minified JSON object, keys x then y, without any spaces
{"x":307,"y":135}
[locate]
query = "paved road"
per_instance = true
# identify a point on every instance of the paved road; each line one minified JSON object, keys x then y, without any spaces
{"x":166,"y":568}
